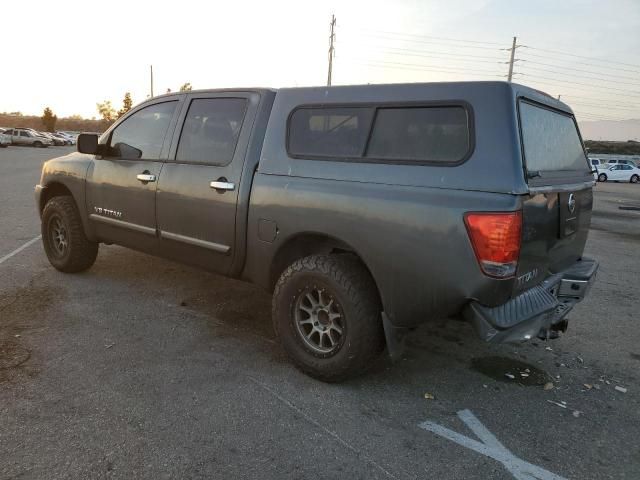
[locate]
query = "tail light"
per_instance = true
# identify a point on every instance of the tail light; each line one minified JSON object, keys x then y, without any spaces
{"x":496,"y":238}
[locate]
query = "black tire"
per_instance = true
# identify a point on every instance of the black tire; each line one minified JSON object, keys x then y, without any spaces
{"x":602,"y":177}
{"x":38,"y":144}
{"x":352,"y":294}
{"x":634,"y":179}
{"x":65,"y":243}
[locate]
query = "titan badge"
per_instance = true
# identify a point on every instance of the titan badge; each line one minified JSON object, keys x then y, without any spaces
{"x":107,"y":212}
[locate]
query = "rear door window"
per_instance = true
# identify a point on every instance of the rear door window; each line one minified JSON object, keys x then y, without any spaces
{"x":211,"y":130}
{"x":551,"y":140}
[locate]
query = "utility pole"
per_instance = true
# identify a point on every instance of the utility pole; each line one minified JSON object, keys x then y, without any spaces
{"x":332,"y":37}
{"x":512,"y":59}
{"x":151,"y":81}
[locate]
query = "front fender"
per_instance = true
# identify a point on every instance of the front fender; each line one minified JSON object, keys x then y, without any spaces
{"x":66,"y":176}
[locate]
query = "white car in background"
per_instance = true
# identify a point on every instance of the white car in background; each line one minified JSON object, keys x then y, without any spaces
{"x":5,"y":140}
{"x":22,"y":136}
{"x":621,"y":161}
{"x":68,"y":136}
{"x":620,"y":173}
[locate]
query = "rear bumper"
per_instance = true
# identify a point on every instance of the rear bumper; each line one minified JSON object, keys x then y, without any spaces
{"x":537,"y":312}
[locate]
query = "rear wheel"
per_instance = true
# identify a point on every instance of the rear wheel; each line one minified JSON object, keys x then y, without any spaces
{"x":634,"y":179}
{"x":602,"y":177}
{"x":65,"y":242}
{"x":326,"y":314}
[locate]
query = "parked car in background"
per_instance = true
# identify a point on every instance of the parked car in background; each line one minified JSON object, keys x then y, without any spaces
{"x":27,"y":137}
{"x":620,"y":161}
{"x":620,"y":173}
{"x":67,"y":136}
{"x":5,"y":140}
{"x":596,"y":162}
{"x":56,"y":140}
{"x":67,"y":141}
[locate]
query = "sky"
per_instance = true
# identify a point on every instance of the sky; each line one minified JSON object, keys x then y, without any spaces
{"x":71,"y":54}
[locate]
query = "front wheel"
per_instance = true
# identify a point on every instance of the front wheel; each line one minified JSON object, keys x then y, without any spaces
{"x":38,"y":144}
{"x":65,"y":242}
{"x":602,"y":177}
{"x":327,"y":315}
{"x":634,"y":179}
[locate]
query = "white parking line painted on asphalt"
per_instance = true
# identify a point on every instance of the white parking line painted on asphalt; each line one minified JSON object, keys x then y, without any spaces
{"x":19,"y":249}
{"x":490,"y":447}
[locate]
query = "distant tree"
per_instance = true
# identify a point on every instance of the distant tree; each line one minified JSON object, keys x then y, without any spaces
{"x":49,"y":120}
{"x":106,"y":111}
{"x":186,"y":87}
{"x":168,"y":90}
{"x":126,"y":104}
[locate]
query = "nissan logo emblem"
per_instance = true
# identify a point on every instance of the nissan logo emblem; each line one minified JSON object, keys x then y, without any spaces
{"x":571,"y":203}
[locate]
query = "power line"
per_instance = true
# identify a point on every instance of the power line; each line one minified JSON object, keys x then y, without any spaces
{"x":606,"y":106}
{"x":439,"y":56}
{"x":614,"y":94}
{"x":429,"y":51}
{"x":593,"y":59}
{"x":419,"y":65}
{"x":630,"y":93}
{"x":429,"y":42}
{"x":602,"y":102}
{"x":583,"y":76}
{"x":576,"y":69}
{"x":547,"y":57}
{"x":594,"y":116}
{"x":583,"y":113}
{"x":416,"y":68}
{"x":430,"y":37}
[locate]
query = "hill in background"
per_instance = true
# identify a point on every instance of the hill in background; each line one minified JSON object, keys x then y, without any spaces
{"x":614,"y":148}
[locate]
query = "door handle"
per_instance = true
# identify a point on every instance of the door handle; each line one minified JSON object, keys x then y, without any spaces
{"x":146,"y":177}
{"x":222,"y":184}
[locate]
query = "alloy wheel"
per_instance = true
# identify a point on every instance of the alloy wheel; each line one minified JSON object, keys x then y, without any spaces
{"x":319,"y":320}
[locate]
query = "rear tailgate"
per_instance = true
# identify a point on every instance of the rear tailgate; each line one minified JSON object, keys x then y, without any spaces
{"x":557,"y":212}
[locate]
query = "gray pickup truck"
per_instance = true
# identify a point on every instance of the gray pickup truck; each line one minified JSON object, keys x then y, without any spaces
{"x":366,"y":210}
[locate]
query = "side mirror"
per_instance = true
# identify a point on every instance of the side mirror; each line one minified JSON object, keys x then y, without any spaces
{"x":88,"y":143}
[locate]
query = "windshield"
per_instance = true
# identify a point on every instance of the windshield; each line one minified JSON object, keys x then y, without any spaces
{"x":551,"y":140}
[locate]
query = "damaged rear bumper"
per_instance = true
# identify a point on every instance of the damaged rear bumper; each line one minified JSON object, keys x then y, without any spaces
{"x":538,"y":312}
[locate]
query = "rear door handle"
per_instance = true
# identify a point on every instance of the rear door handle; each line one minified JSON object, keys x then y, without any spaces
{"x":146,"y":177}
{"x":222,"y":184}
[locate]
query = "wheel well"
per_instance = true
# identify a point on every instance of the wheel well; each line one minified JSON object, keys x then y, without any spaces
{"x":304,"y":245}
{"x":53,"y":190}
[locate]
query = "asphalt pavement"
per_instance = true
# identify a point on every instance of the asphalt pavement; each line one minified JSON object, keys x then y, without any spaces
{"x":144,"y":368}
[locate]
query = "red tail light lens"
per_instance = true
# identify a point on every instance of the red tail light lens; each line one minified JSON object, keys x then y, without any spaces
{"x":496,"y":238}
